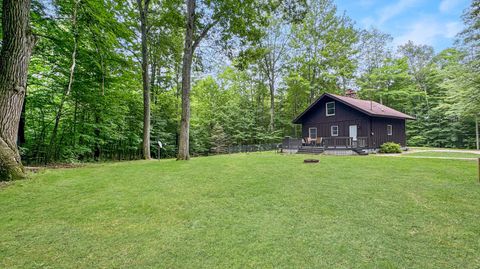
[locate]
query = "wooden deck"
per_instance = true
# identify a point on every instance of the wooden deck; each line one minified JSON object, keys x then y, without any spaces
{"x":322,"y":144}
{"x":344,"y":143}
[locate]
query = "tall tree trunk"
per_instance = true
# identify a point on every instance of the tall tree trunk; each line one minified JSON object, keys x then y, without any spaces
{"x":191,"y":43}
{"x":272,"y":103}
{"x":143,"y":9}
{"x":17,"y":46}
{"x":178,"y":89}
{"x":53,"y":148}
{"x":313,"y":85}
{"x":477,"y":132}
{"x":153,"y":73}
{"x":97,"y":151}
{"x":74,"y":130}
{"x":183,"y":146}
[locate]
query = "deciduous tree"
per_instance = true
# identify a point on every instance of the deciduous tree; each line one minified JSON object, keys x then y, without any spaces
{"x":230,"y":19}
{"x":17,"y":46}
{"x":143,"y":9}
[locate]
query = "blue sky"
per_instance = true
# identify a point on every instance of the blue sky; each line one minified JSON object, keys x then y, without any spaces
{"x":430,"y":22}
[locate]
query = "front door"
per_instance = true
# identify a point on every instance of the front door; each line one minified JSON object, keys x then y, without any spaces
{"x":353,"y":132}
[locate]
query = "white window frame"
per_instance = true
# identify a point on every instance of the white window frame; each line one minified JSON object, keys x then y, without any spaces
{"x":326,"y":108}
{"x":310,"y":134}
{"x":389,"y":129}
{"x":331,"y":130}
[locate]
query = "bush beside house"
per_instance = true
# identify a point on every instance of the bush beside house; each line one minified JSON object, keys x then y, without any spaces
{"x":390,"y":147}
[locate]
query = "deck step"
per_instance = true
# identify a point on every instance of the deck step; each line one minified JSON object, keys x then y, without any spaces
{"x":360,"y":151}
{"x":310,"y":150}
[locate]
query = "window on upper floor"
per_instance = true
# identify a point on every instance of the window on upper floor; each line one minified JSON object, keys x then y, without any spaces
{"x":330,"y":108}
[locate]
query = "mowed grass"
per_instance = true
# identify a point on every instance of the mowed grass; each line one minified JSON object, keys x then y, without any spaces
{"x":444,"y":154}
{"x":246,"y":211}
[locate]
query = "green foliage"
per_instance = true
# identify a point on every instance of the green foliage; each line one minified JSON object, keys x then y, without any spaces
{"x":390,"y":84}
{"x":228,"y":103}
{"x":281,"y":54}
{"x":417,"y":140}
{"x":390,"y":147}
{"x":103,"y":113}
{"x":325,"y":41}
{"x":218,"y":139}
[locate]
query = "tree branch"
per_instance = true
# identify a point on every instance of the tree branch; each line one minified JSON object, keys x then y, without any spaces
{"x":46,"y":36}
{"x":203,"y":34}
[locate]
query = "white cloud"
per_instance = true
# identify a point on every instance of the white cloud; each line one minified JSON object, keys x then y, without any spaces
{"x":428,"y":31}
{"x":367,"y":22}
{"x":448,"y":5}
{"x":453,"y":28}
{"x":391,"y":11}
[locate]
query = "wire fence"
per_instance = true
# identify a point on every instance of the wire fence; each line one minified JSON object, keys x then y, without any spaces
{"x":251,"y":148}
{"x":118,"y":153}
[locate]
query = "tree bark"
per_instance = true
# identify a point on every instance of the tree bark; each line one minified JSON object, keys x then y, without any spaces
{"x":17,"y":46}
{"x":97,"y":151}
{"x":153,"y":72}
{"x":143,"y":10}
{"x":477,"y":132}
{"x":53,"y":148}
{"x":191,"y":43}
{"x":272,"y":103}
{"x":269,"y":70}
{"x":183,"y":145}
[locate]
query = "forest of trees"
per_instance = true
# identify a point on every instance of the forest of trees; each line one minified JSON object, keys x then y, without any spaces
{"x":109,"y":78}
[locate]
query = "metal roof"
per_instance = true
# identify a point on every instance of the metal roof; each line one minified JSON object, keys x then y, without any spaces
{"x":368,"y":107}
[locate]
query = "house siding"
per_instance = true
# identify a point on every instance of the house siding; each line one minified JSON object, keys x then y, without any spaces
{"x":374,"y":128}
{"x":379,"y":131}
{"x":343,"y":118}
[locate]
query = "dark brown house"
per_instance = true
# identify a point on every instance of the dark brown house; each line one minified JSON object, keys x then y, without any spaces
{"x":335,"y":121}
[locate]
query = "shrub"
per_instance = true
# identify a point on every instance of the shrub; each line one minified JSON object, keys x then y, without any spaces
{"x":390,"y":147}
{"x":417,"y":141}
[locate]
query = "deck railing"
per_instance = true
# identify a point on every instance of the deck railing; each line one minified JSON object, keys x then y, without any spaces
{"x":333,"y":142}
{"x":291,"y":143}
{"x":344,"y":142}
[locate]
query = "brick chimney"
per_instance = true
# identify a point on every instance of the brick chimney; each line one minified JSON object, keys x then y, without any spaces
{"x":351,"y":93}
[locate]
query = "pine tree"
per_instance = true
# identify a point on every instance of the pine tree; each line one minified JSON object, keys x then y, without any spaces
{"x":218,"y":139}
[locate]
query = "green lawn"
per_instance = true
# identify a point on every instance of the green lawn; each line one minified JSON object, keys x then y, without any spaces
{"x":444,"y":154}
{"x":246,"y":211}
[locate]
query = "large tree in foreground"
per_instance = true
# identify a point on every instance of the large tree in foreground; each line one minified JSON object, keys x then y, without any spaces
{"x":231,"y":20}
{"x":18,"y":42}
{"x":143,"y":6}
